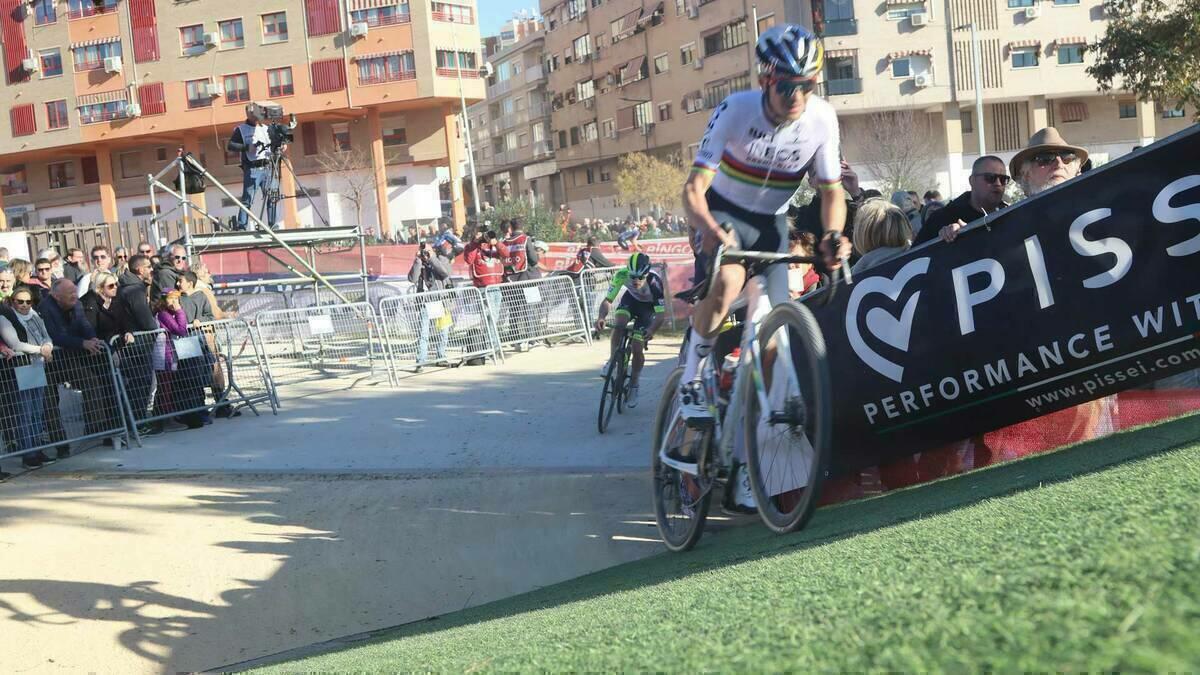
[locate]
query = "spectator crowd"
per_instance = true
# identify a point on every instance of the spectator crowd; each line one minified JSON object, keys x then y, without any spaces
{"x":70,"y":323}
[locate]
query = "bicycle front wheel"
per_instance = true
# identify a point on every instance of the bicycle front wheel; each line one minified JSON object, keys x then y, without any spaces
{"x":609,"y":395}
{"x":788,"y":418}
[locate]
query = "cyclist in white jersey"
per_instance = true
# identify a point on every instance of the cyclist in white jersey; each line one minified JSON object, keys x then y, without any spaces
{"x":757,"y":150}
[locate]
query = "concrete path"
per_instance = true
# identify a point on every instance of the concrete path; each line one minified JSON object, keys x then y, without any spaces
{"x":350,"y":511}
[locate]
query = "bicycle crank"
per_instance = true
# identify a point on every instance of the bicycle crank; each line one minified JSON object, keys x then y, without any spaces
{"x":794,"y":414}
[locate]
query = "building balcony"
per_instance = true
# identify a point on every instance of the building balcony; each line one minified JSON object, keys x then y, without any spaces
{"x":535,"y":74}
{"x":392,"y":76}
{"x":543,"y":149}
{"x":467,"y":73}
{"x":499,"y":88}
{"x":836,"y":27}
{"x":842,"y":87}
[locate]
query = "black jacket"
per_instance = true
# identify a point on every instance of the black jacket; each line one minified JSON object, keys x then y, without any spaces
{"x":165,"y":276}
{"x":959,"y":209}
{"x":132,"y":297}
{"x":71,"y":271}
{"x":108,"y":322}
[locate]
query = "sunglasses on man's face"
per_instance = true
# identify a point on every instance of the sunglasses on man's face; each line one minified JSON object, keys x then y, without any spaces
{"x":179,"y":257}
{"x":100,"y":257}
{"x":43,"y":269}
{"x":1047,"y":158}
{"x":122,"y":257}
{"x":19,"y":301}
{"x":787,"y":88}
{"x":994,"y":178}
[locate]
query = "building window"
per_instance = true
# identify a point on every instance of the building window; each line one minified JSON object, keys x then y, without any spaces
{"x":324,"y":17}
{"x":51,"y":61}
{"x":391,"y":68}
{"x":605,"y":174}
{"x":152,"y":99}
{"x":574,"y":135}
{"x":131,"y":164}
{"x":693,"y":103}
{"x":62,"y":175}
{"x":387,"y":15}
{"x":967,"y":118}
{"x":1060,"y":3}
{"x":279,"y":82}
{"x":44,"y":12}
{"x":901,"y":68}
{"x":232,"y":36}
{"x":581,"y":47}
{"x":606,"y":128}
{"x":341,"y":136}
{"x":661,"y":64}
{"x":92,"y":57}
{"x":394,"y":134}
{"x":586,"y":89}
{"x":13,"y":181}
{"x":445,"y":11}
{"x":728,"y":37}
{"x":56,"y":115}
{"x":905,"y":12}
{"x":1018,"y":4}
{"x":1127,"y":110}
{"x":237,"y":88}
{"x":562,"y":139}
{"x":450,"y":66}
{"x":1068,"y":54}
{"x":1025,"y":58}
{"x":591,"y":176}
{"x":101,"y":112}
{"x":664,"y":112}
{"x":197,"y":94}
{"x":24,"y":120}
{"x":687,"y":54}
{"x":522,"y":140}
{"x":719,"y":91}
{"x":274,"y":28}
{"x":765,"y":22}
{"x":589,"y":131}
{"x":191,"y":38}
{"x":78,"y":9}
{"x":1172,"y":113}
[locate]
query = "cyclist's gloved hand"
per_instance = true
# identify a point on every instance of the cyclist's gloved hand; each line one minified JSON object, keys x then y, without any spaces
{"x":600,"y":324}
{"x":833,"y":254}
{"x":721,"y":237}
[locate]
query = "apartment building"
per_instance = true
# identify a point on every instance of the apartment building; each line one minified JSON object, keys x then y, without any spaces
{"x":635,"y":75}
{"x":524,"y":25}
{"x":643,"y":75}
{"x":510,"y":131}
{"x":102,"y":92}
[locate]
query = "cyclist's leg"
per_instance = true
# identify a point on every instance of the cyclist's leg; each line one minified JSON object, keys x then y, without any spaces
{"x":620,"y":322}
{"x":637,"y":342}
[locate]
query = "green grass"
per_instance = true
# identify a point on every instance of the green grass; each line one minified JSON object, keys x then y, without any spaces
{"x":1087,"y":559}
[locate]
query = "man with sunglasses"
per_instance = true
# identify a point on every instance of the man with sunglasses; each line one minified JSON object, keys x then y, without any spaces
{"x":166,"y":275}
{"x":1047,"y":161}
{"x":756,"y":152}
{"x":988,"y":181}
{"x":42,"y":274}
{"x":102,"y":261}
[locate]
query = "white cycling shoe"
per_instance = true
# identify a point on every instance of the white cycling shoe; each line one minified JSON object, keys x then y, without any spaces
{"x":631,"y":397}
{"x":693,"y":404}
{"x":743,"y":496}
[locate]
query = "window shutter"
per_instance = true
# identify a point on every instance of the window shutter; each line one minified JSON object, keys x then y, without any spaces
{"x":24,"y":121}
{"x":91,"y":171}
{"x":328,"y":75}
{"x":150,"y":97}
{"x":323,"y":17}
{"x":308,"y":132}
{"x":144,"y":25}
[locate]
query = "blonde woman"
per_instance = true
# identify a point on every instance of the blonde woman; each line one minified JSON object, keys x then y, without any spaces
{"x":881,"y":231}
{"x":204,"y":282}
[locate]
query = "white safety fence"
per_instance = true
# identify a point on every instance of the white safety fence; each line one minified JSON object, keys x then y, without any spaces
{"x":540,"y":310}
{"x":438,"y":327}
{"x":594,"y":284}
{"x":308,"y":344}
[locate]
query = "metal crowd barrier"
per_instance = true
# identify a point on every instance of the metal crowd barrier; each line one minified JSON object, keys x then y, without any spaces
{"x":53,"y":404}
{"x":318,"y":342}
{"x":448,"y":326}
{"x":249,"y":305}
{"x":593,"y":286}
{"x":526,"y":312}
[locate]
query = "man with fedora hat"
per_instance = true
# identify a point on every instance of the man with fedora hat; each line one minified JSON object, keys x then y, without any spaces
{"x":1047,"y":160}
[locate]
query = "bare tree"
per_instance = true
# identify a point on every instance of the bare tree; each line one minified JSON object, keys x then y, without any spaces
{"x":356,"y":176}
{"x":899,"y":150}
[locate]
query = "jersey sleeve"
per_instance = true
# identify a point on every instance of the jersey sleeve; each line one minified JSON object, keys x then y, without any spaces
{"x":716,"y":136}
{"x":827,"y":163}
{"x":618,"y":281}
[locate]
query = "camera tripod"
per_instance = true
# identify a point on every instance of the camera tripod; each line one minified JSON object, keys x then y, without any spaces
{"x":272,"y":195}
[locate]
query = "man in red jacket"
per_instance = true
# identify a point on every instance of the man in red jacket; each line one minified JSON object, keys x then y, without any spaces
{"x":485,"y":258}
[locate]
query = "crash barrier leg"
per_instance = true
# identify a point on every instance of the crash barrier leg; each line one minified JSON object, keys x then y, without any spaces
{"x":71,"y":398}
{"x":448,"y":326}
{"x":539,"y":309}
{"x":238,"y":375}
{"x":319,"y":342}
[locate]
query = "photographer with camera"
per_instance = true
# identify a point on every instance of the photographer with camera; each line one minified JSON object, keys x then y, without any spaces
{"x":431,"y":272}
{"x":253,"y":140}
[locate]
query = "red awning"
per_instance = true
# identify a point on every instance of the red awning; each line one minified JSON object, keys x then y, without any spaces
{"x":909,"y":52}
{"x":1021,"y":44}
{"x":841,"y":53}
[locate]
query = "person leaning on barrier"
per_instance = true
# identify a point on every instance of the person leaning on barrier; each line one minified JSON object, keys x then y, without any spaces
{"x":199,"y":305}
{"x":80,"y":362}
{"x":133,"y":294}
{"x":176,"y":390}
{"x":24,"y":332}
{"x":106,"y":313}
{"x":986,"y":195}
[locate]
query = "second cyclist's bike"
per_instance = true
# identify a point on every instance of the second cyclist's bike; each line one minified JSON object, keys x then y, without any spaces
{"x":772,"y":404}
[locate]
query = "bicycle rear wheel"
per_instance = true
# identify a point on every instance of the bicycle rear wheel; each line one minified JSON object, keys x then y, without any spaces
{"x":680,"y":501}
{"x":623,"y":376}
{"x":787,"y":445}
{"x":609,"y":394}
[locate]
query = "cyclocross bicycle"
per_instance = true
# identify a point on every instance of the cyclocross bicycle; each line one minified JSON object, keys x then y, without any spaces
{"x":780,"y":382}
{"x":616,"y":383}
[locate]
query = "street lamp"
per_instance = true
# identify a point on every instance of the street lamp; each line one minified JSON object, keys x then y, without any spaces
{"x":466,"y":120}
{"x":976,"y":69}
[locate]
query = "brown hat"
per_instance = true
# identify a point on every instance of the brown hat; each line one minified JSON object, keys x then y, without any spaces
{"x":1046,"y":139}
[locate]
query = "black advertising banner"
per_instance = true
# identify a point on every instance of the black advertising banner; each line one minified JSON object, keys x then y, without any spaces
{"x":1080,"y":292}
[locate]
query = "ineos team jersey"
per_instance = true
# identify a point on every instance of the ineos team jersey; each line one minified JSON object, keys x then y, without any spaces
{"x":757,"y":165}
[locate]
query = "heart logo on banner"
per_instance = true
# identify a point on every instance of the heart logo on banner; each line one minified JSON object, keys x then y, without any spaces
{"x":885,"y":327}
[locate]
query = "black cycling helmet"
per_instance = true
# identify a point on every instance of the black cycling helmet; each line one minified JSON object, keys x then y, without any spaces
{"x":638,"y":265}
{"x":790,"y":50}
